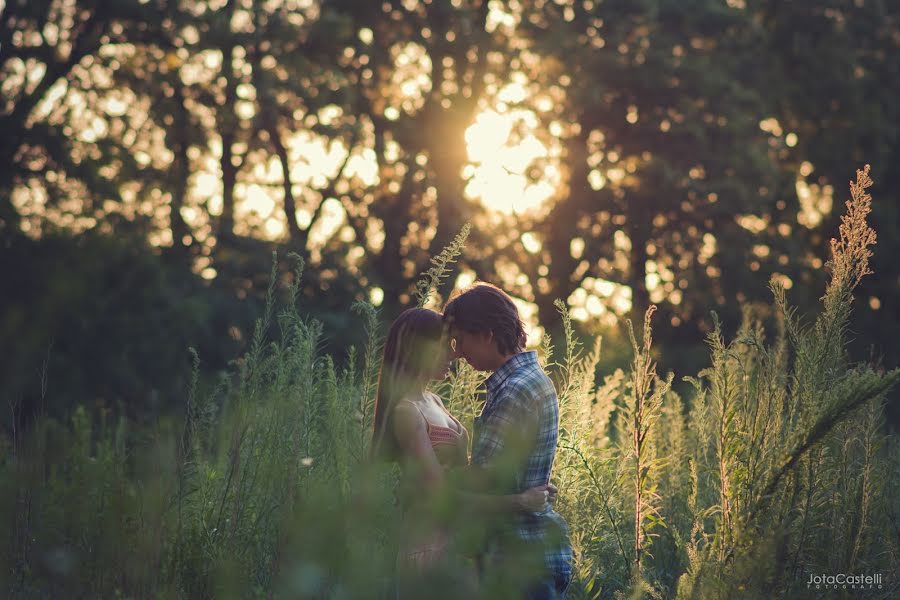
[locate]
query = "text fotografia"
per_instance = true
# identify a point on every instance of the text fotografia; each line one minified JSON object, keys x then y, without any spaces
{"x":843,"y":581}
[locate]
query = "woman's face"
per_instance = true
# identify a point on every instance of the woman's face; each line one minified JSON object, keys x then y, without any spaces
{"x":444,"y":355}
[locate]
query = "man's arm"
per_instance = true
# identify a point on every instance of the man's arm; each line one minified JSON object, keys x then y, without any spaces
{"x":506,"y":438}
{"x":410,"y":431}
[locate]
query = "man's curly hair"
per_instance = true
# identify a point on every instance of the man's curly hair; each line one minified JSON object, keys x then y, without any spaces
{"x":483,"y":307}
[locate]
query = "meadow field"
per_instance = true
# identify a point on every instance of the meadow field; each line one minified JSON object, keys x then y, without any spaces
{"x":777,"y":466}
{"x":211,"y":211}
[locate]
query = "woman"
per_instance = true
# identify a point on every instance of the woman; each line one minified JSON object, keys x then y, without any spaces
{"x":413,"y":428}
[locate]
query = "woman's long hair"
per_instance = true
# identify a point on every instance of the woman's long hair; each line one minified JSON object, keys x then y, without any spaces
{"x":410,"y":355}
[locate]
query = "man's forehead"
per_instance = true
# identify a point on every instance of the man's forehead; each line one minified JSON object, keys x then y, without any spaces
{"x":451,"y":333}
{"x":456,"y":332}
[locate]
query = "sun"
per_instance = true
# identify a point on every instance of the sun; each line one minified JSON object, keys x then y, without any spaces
{"x":498,"y":162}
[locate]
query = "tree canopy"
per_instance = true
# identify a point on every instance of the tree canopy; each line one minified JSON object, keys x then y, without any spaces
{"x":609,"y":153}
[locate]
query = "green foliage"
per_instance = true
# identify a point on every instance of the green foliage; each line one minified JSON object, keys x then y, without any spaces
{"x":432,"y":279}
{"x":160,"y":123}
{"x":776,"y":466}
{"x":643,"y":408}
{"x":371,"y":365}
{"x":111,"y":321}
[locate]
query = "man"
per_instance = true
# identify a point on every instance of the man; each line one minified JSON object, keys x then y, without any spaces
{"x":515,"y":436}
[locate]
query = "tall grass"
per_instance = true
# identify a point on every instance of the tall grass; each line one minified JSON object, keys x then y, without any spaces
{"x":774,"y":467}
{"x":778,"y":470}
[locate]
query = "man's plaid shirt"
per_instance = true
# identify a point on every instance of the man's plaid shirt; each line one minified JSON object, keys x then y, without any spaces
{"x":520,"y":397}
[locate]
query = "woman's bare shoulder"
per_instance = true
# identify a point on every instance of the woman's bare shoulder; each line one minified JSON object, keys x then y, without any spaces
{"x":407,"y":417}
{"x":434,"y":399}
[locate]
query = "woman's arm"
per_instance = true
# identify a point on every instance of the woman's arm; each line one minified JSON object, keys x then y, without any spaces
{"x":412,"y":437}
{"x":531,"y":500}
{"x":470,"y":486}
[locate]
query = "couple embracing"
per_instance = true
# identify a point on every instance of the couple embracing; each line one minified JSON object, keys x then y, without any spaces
{"x":504,"y":488}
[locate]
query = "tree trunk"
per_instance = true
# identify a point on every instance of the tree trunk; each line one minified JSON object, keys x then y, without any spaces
{"x":637,"y":272}
{"x":297,"y":236}
{"x":447,"y":162}
{"x":558,"y":235}
{"x":389,"y":262}
{"x":180,"y":230}
{"x":269,"y":119}
{"x":447,"y":147}
{"x":227,"y":123}
{"x":9,"y":216}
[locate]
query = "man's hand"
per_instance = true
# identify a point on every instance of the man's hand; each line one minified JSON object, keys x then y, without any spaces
{"x":552,"y":491}
{"x":537,"y":499}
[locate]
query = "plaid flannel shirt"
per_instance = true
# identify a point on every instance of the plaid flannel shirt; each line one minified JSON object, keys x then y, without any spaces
{"x":520,"y":396}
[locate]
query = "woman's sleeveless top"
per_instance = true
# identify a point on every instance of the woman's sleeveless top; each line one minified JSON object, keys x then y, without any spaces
{"x":450,"y":444}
